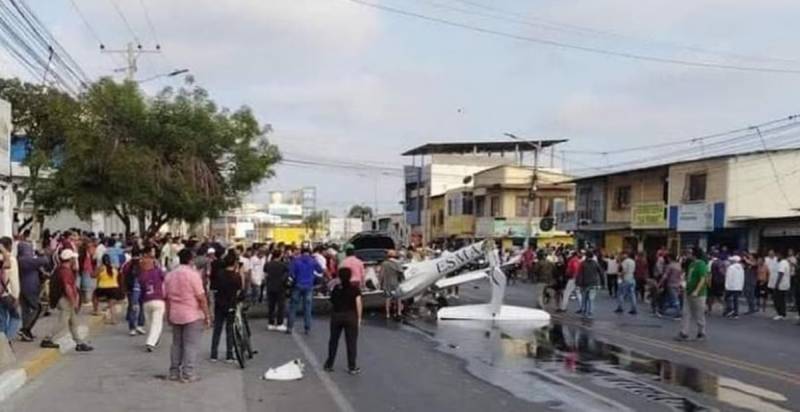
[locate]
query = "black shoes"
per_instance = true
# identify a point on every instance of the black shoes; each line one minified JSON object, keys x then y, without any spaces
{"x":48,"y":344}
{"x":82,"y":347}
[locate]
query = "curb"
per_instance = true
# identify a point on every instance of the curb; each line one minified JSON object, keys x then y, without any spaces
{"x":14,"y":379}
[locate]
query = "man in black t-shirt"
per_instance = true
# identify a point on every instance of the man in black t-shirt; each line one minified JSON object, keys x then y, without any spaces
{"x":277,"y":272}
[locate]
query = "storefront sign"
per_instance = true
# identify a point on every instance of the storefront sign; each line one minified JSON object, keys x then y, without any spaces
{"x":506,"y":228}
{"x":648,"y":215}
{"x":698,"y":217}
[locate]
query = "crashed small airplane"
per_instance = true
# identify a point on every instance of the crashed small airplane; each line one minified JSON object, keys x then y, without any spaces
{"x":421,"y":276}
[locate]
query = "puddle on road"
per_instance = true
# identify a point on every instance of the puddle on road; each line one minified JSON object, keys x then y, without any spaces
{"x":564,"y":367}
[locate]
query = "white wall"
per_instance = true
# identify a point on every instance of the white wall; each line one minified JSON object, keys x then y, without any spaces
{"x":755,"y":192}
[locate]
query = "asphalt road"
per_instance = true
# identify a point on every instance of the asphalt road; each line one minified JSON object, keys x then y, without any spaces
{"x":614,"y":363}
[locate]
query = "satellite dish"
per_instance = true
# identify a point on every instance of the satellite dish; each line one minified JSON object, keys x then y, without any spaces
{"x":546,"y":224}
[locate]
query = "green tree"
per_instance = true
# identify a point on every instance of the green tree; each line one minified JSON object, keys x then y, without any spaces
{"x":362,"y":212}
{"x":176,"y":156}
{"x":43,"y":115}
{"x":314,"y":222}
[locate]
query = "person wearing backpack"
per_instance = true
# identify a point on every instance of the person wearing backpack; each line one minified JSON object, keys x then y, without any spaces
{"x":64,"y":296}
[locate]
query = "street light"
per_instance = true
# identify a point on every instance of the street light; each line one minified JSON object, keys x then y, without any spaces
{"x":173,"y":73}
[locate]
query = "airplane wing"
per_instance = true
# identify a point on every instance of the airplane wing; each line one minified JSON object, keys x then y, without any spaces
{"x":462,"y":278}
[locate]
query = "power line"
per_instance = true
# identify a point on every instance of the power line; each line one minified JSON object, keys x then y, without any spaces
{"x":548,"y":24}
{"x":125,"y":20}
{"x":774,"y":169}
{"x":149,"y":22}
{"x":570,"y":46}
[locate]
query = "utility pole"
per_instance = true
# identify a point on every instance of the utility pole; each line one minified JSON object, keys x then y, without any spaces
{"x":537,"y":146}
{"x":131,"y":57}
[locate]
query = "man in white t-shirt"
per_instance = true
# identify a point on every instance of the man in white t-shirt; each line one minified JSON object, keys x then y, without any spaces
{"x":257,"y":262}
{"x":780,"y":284}
{"x":612,"y":275}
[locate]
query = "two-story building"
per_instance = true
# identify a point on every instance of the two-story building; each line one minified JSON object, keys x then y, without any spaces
{"x":623,"y":211}
{"x":502,"y":201}
{"x":744,"y":201}
{"x":437,"y":168}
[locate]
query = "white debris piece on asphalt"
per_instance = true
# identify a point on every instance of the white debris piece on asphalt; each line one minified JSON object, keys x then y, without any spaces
{"x":290,"y":371}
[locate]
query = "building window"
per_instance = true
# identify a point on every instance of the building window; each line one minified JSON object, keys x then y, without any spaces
{"x":584,"y":198}
{"x":696,"y":187}
{"x":494,"y":206}
{"x":441,"y":217}
{"x":467,"y":208}
{"x":522,"y":206}
{"x":480,"y":206}
{"x":450,"y":211}
{"x":622,"y":197}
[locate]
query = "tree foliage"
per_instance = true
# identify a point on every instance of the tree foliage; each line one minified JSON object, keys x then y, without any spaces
{"x":362,"y":212}
{"x":175,"y":156}
{"x":42,"y":114}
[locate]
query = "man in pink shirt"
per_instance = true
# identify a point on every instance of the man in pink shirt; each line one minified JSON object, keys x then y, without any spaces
{"x":187,"y":312}
{"x":356,"y":267}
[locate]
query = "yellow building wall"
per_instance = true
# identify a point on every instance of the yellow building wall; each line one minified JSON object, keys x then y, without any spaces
{"x":716,"y":180}
{"x":436,"y":205}
{"x":459,"y":225}
{"x":613,"y":242}
{"x":289,"y":235}
{"x":645,"y":186}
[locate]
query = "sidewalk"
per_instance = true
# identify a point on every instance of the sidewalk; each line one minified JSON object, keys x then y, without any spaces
{"x":31,"y":361}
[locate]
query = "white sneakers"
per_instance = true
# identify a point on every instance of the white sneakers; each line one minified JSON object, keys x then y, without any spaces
{"x":140,"y":330}
{"x":290,"y":371}
{"x":272,"y":327}
{"x":277,"y":328}
{"x":779,"y":317}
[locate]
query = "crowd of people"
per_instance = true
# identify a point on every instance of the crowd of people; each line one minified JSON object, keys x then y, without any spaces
{"x":188,"y":283}
{"x":196,"y":283}
{"x":687,"y":287}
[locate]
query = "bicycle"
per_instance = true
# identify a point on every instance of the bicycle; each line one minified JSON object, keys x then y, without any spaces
{"x":242,"y":348}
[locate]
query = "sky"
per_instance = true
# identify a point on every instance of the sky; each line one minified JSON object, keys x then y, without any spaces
{"x":341,"y":81}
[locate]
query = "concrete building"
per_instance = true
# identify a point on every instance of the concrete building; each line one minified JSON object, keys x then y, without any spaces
{"x":341,"y":229}
{"x":502,"y":202}
{"x":393,"y":224}
{"x":744,"y":201}
{"x":439,"y":167}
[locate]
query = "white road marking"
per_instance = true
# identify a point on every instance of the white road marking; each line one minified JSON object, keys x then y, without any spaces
{"x":333,"y":389}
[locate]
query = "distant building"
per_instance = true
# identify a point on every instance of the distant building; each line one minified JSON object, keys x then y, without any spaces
{"x":437,"y":168}
{"x":393,"y":224}
{"x":341,"y":229}
{"x":743,"y":201}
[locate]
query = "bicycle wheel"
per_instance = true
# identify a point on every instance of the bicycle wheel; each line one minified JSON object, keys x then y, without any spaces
{"x":238,"y":348}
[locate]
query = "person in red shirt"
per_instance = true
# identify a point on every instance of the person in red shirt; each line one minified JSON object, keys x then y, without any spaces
{"x":64,"y":296}
{"x":572,"y":270}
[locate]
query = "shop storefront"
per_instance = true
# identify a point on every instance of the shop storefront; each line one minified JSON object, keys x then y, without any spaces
{"x":781,"y":236}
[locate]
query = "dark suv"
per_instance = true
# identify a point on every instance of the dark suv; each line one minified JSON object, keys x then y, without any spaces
{"x":371,"y":246}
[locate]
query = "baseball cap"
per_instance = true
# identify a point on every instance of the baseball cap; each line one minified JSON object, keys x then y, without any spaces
{"x":68,"y":254}
{"x":211,"y":251}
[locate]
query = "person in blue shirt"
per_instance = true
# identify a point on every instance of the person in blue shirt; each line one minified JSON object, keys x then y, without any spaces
{"x":303,"y":270}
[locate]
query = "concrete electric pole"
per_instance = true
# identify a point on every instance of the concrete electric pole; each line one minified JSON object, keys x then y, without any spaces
{"x":537,"y":146}
{"x":131,"y":57}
